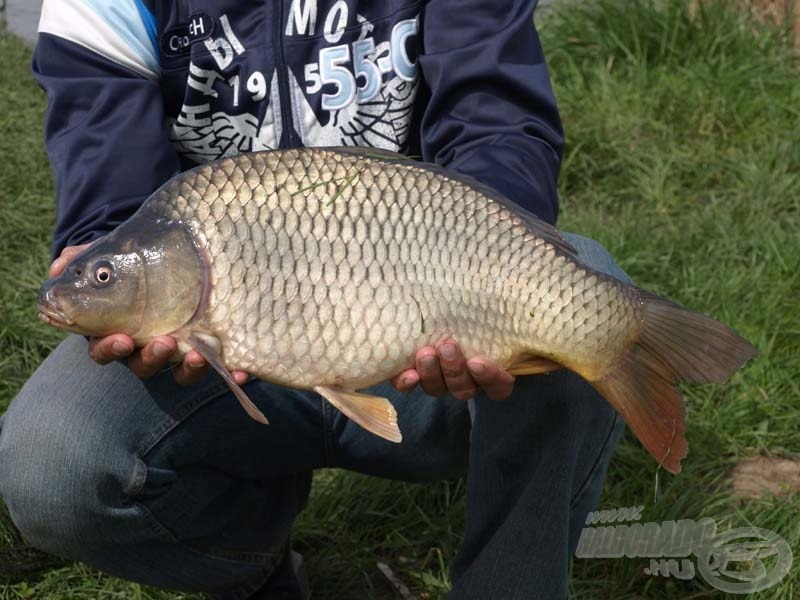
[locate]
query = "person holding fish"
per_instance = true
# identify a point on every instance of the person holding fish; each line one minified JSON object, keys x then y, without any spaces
{"x":152,"y":473}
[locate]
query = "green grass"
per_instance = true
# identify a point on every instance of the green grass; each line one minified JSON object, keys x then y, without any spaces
{"x":682,"y":158}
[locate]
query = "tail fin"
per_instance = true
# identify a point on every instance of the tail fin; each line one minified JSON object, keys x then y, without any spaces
{"x":675,"y":344}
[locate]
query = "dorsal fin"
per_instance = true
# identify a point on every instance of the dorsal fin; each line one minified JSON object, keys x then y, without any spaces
{"x":376,"y":153}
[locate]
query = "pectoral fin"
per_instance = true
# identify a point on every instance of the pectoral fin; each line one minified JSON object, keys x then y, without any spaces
{"x":530,"y":364}
{"x":373,"y":413}
{"x":214,"y":359}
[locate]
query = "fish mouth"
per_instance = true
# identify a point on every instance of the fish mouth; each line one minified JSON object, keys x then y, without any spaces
{"x":50,"y":311}
{"x":51,"y":315}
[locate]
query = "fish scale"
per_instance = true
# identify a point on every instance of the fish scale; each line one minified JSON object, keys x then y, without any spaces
{"x":467,"y":282}
{"x":327,"y":269}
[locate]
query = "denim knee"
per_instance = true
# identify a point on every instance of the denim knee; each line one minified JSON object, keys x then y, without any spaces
{"x":63,"y":472}
{"x":127,"y":476}
{"x":60,"y":488}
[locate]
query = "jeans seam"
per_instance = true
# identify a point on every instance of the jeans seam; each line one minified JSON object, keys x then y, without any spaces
{"x":246,"y":590}
{"x":185,"y":410}
{"x":252,"y":558}
{"x":327,"y":432}
{"x":156,"y":526}
{"x":598,"y":460}
{"x":264,"y":559}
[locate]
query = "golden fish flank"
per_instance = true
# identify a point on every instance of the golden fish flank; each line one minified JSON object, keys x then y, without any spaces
{"x":326,"y":269}
{"x":343,"y":266}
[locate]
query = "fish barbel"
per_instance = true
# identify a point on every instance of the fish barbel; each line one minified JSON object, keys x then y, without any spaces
{"x":326,"y":269}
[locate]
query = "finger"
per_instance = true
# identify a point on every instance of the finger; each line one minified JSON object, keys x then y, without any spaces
{"x":406,"y":381}
{"x":67,"y":254}
{"x":430,"y":375}
{"x":153,"y":357}
{"x":496,"y":383}
{"x":240,"y":377}
{"x":194,"y":367}
{"x":454,"y":369}
{"x":191,"y":369}
{"x":104,"y":350}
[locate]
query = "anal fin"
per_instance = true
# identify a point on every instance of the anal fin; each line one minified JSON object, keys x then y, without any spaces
{"x":531,"y":364}
{"x":214,"y":359}
{"x":373,"y":413}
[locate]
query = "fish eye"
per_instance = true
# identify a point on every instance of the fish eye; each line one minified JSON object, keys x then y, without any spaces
{"x":103,"y":272}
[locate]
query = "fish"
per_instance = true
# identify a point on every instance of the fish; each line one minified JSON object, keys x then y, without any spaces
{"x":325,"y":269}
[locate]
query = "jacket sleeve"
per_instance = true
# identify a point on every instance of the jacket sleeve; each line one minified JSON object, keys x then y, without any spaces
{"x":491,"y":113}
{"x":104,"y":131}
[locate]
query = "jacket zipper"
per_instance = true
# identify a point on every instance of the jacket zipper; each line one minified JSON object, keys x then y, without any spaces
{"x":281,"y":67}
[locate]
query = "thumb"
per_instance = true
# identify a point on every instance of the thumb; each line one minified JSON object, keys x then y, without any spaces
{"x":67,"y":254}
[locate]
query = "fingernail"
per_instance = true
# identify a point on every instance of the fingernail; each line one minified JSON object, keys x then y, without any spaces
{"x":160,"y":350}
{"x":448,"y":351}
{"x":477,"y":368}
{"x":409,"y":381}
{"x":428,"y":363}
{"x":199,"y":365}
{"x":119,"y":348}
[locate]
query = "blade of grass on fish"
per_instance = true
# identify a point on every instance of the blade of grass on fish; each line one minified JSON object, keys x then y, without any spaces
{"x":340,"y":190}
{"x":375,"y":153}
{"x":387,"y":158}
{"x":313,"y":186}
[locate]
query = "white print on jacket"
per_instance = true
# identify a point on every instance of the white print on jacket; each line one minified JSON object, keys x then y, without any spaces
{"x":382,"y":122}
{"x":111,"y":28}
{"x":203,"y":136}
{"x":363,"y":108}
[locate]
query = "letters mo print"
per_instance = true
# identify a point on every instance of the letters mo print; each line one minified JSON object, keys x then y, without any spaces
{"x":357,"y":90}
{"x":370,"y":61}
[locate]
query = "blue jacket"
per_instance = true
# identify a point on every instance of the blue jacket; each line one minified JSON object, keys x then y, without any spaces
{"x":139,"y":90}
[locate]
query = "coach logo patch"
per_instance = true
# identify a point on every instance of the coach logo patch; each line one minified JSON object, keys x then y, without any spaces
{"x":179,"y":39}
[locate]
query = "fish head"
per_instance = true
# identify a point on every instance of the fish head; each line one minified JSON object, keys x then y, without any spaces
{"x":144,"y":279}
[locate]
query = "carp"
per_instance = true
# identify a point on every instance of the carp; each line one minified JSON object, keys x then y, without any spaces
{"x":327,"y":268}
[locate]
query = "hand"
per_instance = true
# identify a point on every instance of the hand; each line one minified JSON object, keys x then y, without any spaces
{"x":148,"y":360}
{"x":443,"y":369}
{"x":66,"y":256}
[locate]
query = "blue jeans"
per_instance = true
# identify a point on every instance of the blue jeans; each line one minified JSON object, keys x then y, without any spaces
{"x":176,"y":487}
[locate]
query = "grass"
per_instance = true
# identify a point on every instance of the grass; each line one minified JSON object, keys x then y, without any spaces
{"x":682,"y":158}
